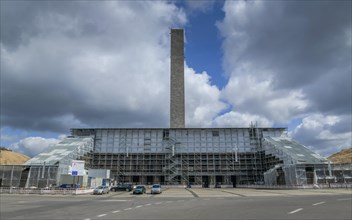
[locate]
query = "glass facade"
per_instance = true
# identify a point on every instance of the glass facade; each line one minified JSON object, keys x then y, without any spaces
{"x":181,"y":156}
{"x":198,"y":156}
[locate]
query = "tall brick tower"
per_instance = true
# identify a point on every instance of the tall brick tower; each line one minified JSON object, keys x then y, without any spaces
{"x":177,"y":93}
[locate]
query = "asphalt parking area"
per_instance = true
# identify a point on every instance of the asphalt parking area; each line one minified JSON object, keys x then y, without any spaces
{"x":232,"y":192}
{"x":181,"y":203}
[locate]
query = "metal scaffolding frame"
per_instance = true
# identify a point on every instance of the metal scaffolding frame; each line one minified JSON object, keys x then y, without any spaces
{"x":181,"y":155}
{"x":196,"y":156}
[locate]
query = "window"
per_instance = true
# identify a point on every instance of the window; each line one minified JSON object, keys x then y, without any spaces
{"x":166,"y":134}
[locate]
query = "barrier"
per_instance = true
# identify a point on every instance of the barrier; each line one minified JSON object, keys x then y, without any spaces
{"x":308,"y":186}
{"x":45,"y":191}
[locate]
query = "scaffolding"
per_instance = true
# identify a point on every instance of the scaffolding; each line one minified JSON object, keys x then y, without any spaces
{"x":291,"y":164}
{"x":334,"y":173}
{"x":196,"y":156}
{"x":28,"y":176}
{"x":44,"y":169}
{"x":182,"y":156}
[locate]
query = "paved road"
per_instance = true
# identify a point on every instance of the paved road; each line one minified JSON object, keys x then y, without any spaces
{"x":184,"y":204}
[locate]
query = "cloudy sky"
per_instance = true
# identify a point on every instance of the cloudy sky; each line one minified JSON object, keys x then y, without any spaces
{"x":71,"y":64}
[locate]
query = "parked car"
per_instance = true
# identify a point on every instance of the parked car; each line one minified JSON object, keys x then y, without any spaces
{"x":122,"y":187}
{"x":100,"y":190}
{"x":69,"y":186}
{"x":156,"y":189}
{"x":139,"y":189}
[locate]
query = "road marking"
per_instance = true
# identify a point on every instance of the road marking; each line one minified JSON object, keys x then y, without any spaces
{"x":128,"y":209}
{"x":148,"y":204}
{"x":169,"y":202}
{"x":294,"y":211}
{"x":344,"y":199}
{"x":87,"y":219}
{"x":236,"y":194}
{"x":319,"y":203}
{"x":116,"y":211}
{"x":114,"y":200}
{"x":138,"y":206}
{"x":101,"y":215}
{"x":157,"y":203}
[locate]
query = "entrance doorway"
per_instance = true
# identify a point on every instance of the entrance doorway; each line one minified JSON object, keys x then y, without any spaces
{"x":150,"y":180}
{"x":205,"y":181}
{"x":234,"y":181}
{"x":219,"y":179}
{"x":135,"y":179}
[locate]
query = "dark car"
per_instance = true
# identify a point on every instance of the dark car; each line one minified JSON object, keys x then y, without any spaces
{"x":69,"y":186}
{"x":122,"y":187}
{"x":139,"y":189}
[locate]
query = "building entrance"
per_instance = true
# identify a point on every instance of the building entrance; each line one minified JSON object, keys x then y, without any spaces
{"x":205,"y":181}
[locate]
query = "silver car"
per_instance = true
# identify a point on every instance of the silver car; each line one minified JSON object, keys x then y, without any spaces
{"x":156,"y":189}
{"x":100,"y":190}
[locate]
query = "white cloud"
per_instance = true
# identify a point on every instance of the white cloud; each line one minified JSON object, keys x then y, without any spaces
{"x":238,"y":15}
{"x":253,"y":89}
{"x":202,"y":99}
{"x":322,"y":134}
{"x":259,"y":97}
{"x":237,"y":119}
{"x":32,"y":146}
{"x":287,"y":61}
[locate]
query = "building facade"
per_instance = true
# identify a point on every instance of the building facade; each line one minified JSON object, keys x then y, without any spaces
{"x":199,"y":156}
{"x":181,"y":156}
